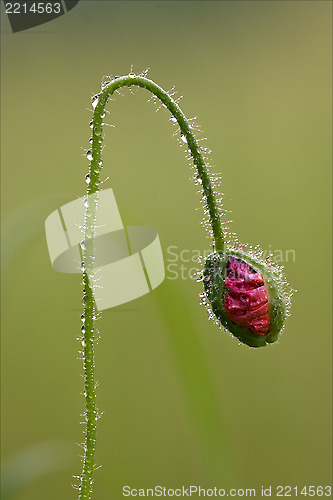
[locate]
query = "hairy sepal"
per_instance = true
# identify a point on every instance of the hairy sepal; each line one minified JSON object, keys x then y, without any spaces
{"x":214,"y":276}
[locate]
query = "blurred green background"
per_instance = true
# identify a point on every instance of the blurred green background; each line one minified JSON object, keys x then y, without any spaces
{"x":183,"y":403}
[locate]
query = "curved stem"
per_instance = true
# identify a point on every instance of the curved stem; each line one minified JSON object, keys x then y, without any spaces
{"x":195,"y":150}
{"x":88,"y":251}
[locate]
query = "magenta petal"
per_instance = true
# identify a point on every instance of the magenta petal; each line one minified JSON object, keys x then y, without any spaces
{"x":247,"y":303}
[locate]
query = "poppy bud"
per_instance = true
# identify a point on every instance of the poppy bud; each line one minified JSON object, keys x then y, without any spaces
{"x":246,"y":295}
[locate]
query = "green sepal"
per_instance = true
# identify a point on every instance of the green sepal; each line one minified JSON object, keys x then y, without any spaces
{"x":214,"y":276}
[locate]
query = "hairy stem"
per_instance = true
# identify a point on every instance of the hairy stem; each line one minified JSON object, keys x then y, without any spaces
{"x":89,"y":232}
{"x":195,"y":150}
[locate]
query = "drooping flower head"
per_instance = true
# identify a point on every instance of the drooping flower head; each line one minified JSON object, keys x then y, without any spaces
{"x":247,"y":296}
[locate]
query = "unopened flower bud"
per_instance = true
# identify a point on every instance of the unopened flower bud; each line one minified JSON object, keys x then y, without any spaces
{"x":246,"y":295}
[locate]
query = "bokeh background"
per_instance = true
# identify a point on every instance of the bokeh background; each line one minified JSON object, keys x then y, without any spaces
{"x":183,"y":403}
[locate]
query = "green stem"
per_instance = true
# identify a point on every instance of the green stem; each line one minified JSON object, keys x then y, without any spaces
{"x":195,"y":150}
{"x":88,"y":250}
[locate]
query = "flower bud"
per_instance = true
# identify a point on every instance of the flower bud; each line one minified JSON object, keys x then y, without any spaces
{"x":246,"y":295}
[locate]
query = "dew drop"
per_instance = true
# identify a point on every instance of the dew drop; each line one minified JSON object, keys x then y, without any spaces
{"x":87,"y":178}
{"x":89,"y":155}
{"x":183,"y":138}
{"x":83,"y":245}
{"x":173,"y":119}
{"x":98,"y":131}
{"x":94,"y":103}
